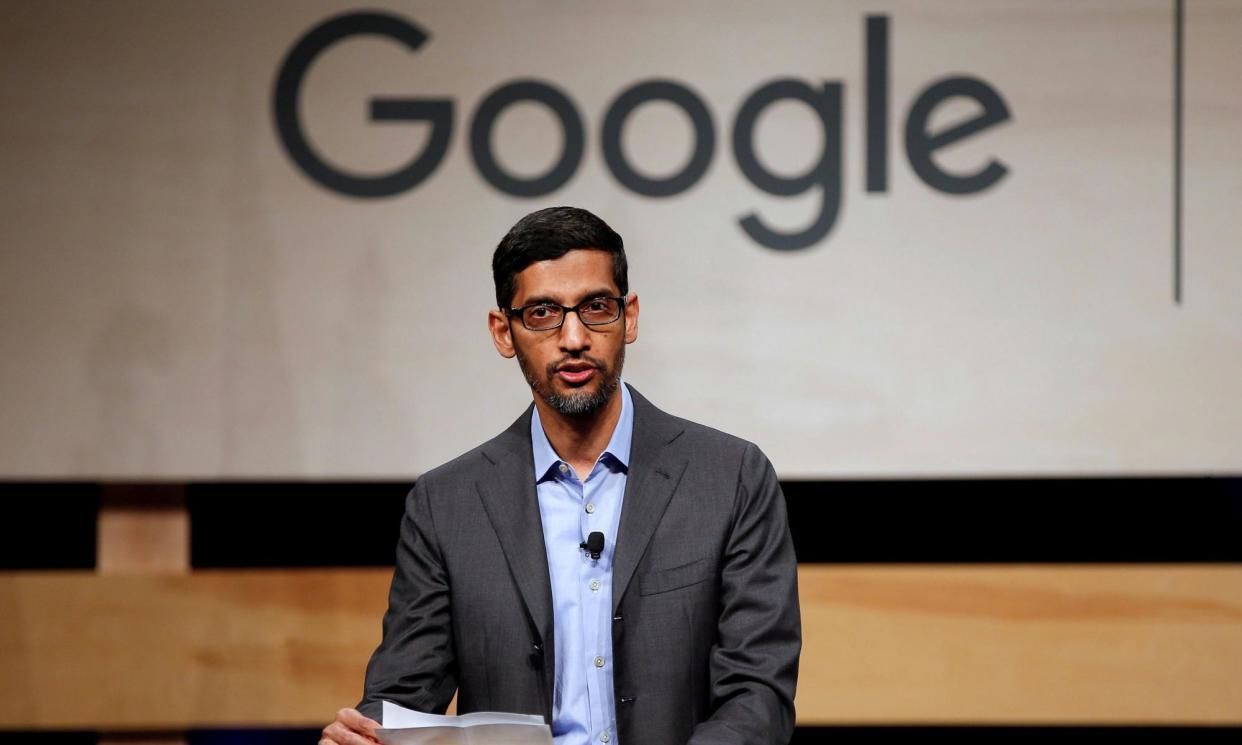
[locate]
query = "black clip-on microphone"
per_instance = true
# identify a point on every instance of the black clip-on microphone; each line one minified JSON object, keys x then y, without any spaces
{"x":594,"y":544}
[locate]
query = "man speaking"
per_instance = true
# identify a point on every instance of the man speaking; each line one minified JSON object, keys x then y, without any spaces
{"x":624,"y":573}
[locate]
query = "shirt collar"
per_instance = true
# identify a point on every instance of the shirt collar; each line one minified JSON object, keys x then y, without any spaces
{"x":618,"y":447}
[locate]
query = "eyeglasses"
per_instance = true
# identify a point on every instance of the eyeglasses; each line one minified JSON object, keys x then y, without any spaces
{"x":596,"y":311}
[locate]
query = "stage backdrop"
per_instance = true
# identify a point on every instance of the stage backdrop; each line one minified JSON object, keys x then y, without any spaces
{"x":877,"y":238}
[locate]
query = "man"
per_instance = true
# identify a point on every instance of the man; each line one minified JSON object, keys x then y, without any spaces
{"x":682,"y":625}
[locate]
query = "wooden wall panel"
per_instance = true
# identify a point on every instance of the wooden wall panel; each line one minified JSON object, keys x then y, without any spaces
{"x":204,"y":649}
{"x":883,"y":644}
{"x":1032,"y":644}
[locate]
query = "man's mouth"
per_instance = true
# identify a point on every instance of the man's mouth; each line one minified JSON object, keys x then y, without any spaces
{"x":576,"y":373}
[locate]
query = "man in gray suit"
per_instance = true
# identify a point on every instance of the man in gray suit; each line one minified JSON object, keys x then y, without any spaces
{"x":624,"y":573}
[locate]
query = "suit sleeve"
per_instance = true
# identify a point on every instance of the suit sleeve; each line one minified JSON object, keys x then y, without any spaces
{"x":754,"y":665}
{"x":414,"y":664}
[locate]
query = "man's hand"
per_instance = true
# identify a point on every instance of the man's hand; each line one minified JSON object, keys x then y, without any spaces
{"x":350,"y":728}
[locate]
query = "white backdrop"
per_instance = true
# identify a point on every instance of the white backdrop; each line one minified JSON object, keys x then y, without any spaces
{"x":179,"y":300}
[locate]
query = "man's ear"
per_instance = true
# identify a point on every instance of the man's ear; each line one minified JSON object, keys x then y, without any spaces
{"x":631,"y":318}
{"x":502,"y":335}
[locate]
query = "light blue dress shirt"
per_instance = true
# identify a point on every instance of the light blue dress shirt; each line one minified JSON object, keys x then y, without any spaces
{"x":583,"y":709}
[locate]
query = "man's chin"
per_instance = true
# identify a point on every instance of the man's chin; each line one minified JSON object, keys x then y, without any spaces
{"x":579,"y":400}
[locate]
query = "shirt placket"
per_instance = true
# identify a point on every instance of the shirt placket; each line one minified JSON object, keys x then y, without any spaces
{"x":593,"y":592}
{"x":595,"y":659}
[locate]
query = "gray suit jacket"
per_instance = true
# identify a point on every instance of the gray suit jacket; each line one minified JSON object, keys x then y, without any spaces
{"x":706,"y":629}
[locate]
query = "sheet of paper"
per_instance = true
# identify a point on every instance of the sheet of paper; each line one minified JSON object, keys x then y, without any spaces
{"x":483,"y":734}
{"x":405,"y":727}
{"x":399,"y":717}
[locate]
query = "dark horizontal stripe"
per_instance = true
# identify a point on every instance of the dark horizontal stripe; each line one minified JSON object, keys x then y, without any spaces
{"x":282,"y":524}
{"x":1045,"y":520}
{"x":1114,"y":520}
{"x":48,"y":525}
{"x":51,"y":525}
{"x":254,"y":737}
{"x":22,"y":737}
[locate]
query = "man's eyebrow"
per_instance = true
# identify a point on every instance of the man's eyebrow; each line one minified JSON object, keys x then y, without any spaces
{"x":549,"y":300}
{"x":538,"y":300}
{"x":603,"y":292}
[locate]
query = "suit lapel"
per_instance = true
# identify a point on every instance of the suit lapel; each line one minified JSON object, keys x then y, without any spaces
{"x":512,"y":506}
{"x":654,"y":472}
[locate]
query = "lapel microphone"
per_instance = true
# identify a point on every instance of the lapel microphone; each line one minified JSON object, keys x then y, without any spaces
{"x":594,"y":544}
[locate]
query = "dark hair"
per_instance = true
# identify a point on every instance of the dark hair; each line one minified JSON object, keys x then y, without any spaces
{"x":548,"y":234}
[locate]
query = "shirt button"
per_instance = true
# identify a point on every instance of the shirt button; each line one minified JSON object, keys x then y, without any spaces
{"x":564,"y":468}
{"x":604,"y":737}
{"x":599,"y":661}
{"x":595,"y":585}
{"x":590,"y":508}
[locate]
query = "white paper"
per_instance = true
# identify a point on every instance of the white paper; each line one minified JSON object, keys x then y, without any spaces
{"x":403,"y":726}
{"x":399,"y":717}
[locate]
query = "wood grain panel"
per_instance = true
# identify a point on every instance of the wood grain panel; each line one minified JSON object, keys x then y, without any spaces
{"x":995,"y":644}
{"x":1030,"y":644}
{"x":176,"y":652}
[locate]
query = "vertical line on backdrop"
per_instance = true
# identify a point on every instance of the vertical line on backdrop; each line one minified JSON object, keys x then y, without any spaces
{"x":876,"y":45}
{"x":1179,"y":12}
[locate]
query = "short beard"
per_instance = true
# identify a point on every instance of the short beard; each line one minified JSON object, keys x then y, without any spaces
{"x":582,"y":403}
{"x":578,"y":403}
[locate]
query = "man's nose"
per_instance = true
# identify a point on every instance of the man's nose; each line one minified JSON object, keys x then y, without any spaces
{"x":574,"y":334}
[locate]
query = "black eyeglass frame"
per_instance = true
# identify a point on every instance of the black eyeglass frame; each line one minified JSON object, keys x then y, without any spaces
{"x":566,"y":310}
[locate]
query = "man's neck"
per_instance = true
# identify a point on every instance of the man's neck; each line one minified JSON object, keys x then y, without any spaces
{"x":579,"y":440}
